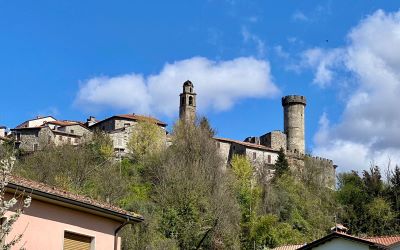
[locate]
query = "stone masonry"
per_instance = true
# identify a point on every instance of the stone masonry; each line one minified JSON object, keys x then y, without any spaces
{"x":293,"y":107}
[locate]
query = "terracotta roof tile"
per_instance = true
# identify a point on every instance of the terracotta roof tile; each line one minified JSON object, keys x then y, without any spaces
{"x":134,"y":117}
{"x":142,"y":118}
{"x":246,"y":144}
{"x":38,"y":186}
{"x":288,"y":247}
{"x":384,"y":240}
{"x":62,"y":123}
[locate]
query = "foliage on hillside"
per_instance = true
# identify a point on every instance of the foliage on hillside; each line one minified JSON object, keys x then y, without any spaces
{"x":190,"y":200}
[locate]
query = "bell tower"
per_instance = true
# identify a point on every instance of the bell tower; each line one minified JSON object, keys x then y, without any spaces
{"x":187,"y":107}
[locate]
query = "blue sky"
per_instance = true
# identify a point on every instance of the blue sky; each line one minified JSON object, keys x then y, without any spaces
{"x":72,"y":59}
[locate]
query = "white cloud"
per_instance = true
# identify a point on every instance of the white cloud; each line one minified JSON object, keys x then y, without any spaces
{"x":370,"y":123}
{"x":219,"y":84}
{"x":299,"y":16}
{"x":281,"y":52}
{"x":323,"y":62}
{"x":250,"y":37}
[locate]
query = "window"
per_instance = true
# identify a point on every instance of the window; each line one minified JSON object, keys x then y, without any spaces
{"x":254,"y":155}
{"x":37,"y":134}
{"x":18,"y":136}
{"x":35,"y":147}
{"x":190,"y":100}
{"x":60,"y":137}
{"x":269,"y":158}
{"x":69,"y":140}
{"x":76,"y":140}
{"x":72,"y":131}
{"x":183,"y":101}
{"x":76,"y":241}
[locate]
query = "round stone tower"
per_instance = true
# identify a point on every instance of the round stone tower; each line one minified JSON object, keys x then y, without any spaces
{"x":293,"y":108}
{"x":187,"y":107}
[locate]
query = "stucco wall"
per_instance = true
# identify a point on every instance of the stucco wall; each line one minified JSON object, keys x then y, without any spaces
{"x":45,"y":224}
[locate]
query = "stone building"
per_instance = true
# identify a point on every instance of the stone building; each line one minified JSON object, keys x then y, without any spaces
{"x":263,"y":150}
{"x":120,"y":128}
{"x":36,"y":133}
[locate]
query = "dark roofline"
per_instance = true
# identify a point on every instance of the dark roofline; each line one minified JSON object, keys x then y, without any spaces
{"x":336,"y":235}
{"x":15,"y":129}
{"x":158,"y":122}
{"x":247,"y":144}
{"x":74,"y":203}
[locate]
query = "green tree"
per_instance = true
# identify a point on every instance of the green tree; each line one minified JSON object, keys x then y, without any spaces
{"x":198,"y":207}
{"x":248,"y":194}
{"x":147,"y":139}
{"x":281,"y":164}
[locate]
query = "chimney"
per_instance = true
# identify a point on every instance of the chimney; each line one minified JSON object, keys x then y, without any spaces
{"x":90,"y":121}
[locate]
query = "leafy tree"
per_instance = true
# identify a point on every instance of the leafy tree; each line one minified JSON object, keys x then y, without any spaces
{"x":205,"y":125}
{"x":198,"y":206}
{"x":147,"y":139}
{"x":373,"y":183}
{"x":248,"y":194}
{"x":281,"y":164}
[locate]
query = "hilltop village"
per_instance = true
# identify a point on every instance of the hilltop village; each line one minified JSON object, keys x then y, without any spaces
{"x":32,"y":134}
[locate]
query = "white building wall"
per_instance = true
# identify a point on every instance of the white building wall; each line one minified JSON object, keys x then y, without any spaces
{"x":344,"y":244}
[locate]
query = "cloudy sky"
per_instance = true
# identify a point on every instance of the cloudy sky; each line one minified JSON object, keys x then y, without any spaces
{"x":72,"y":59}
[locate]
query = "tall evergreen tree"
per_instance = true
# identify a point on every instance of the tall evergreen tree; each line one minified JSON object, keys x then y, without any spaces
{"x":281,"y":164}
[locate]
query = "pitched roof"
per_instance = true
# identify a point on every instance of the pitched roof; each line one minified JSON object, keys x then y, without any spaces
{"x":44,"y":191}
{"x":246,"y":144}
{"x":63,"y":123}
{"x":288,"y":247}
{"x":37,"y":118}
{"x":134,"y":117}
{"x":385,"y":240}
{"x":336,"y":235}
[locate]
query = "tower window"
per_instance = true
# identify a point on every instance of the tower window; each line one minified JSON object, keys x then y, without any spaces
{"x":269,"y":158}
{"x":190,"y":90}
{"x":191,"y":100}
{"x":183,"y":101}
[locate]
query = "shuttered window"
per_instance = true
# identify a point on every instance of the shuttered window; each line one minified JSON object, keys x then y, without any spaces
{"x":76,"y":242}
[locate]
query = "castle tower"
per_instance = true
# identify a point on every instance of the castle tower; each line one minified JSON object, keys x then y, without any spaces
{"x":187,"y":107}
{"x":293,"y":108}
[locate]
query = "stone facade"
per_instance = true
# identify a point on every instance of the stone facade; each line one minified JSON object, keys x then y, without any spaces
{"x":293,"y":107}
{"x":51,"y":132}
{"x":187,"y":106}
{"x":120,"y":128}
{"x":259,"y":155}
{"x":274,"y":140}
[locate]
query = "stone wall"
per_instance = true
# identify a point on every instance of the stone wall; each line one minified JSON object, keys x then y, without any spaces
{"x":320,"y":169}
{"x":274,"y":140}
{"x":293,"y":107}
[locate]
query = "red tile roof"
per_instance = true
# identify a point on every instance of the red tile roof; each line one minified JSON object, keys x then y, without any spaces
{"x":384,"y":240}
{"x":62,"y":123}
{"x":288,"y":247}
{"x":246,"y":144}
{"x":41,"y":189}
{"x":142,"y":118}
{"x":134,"y":117}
